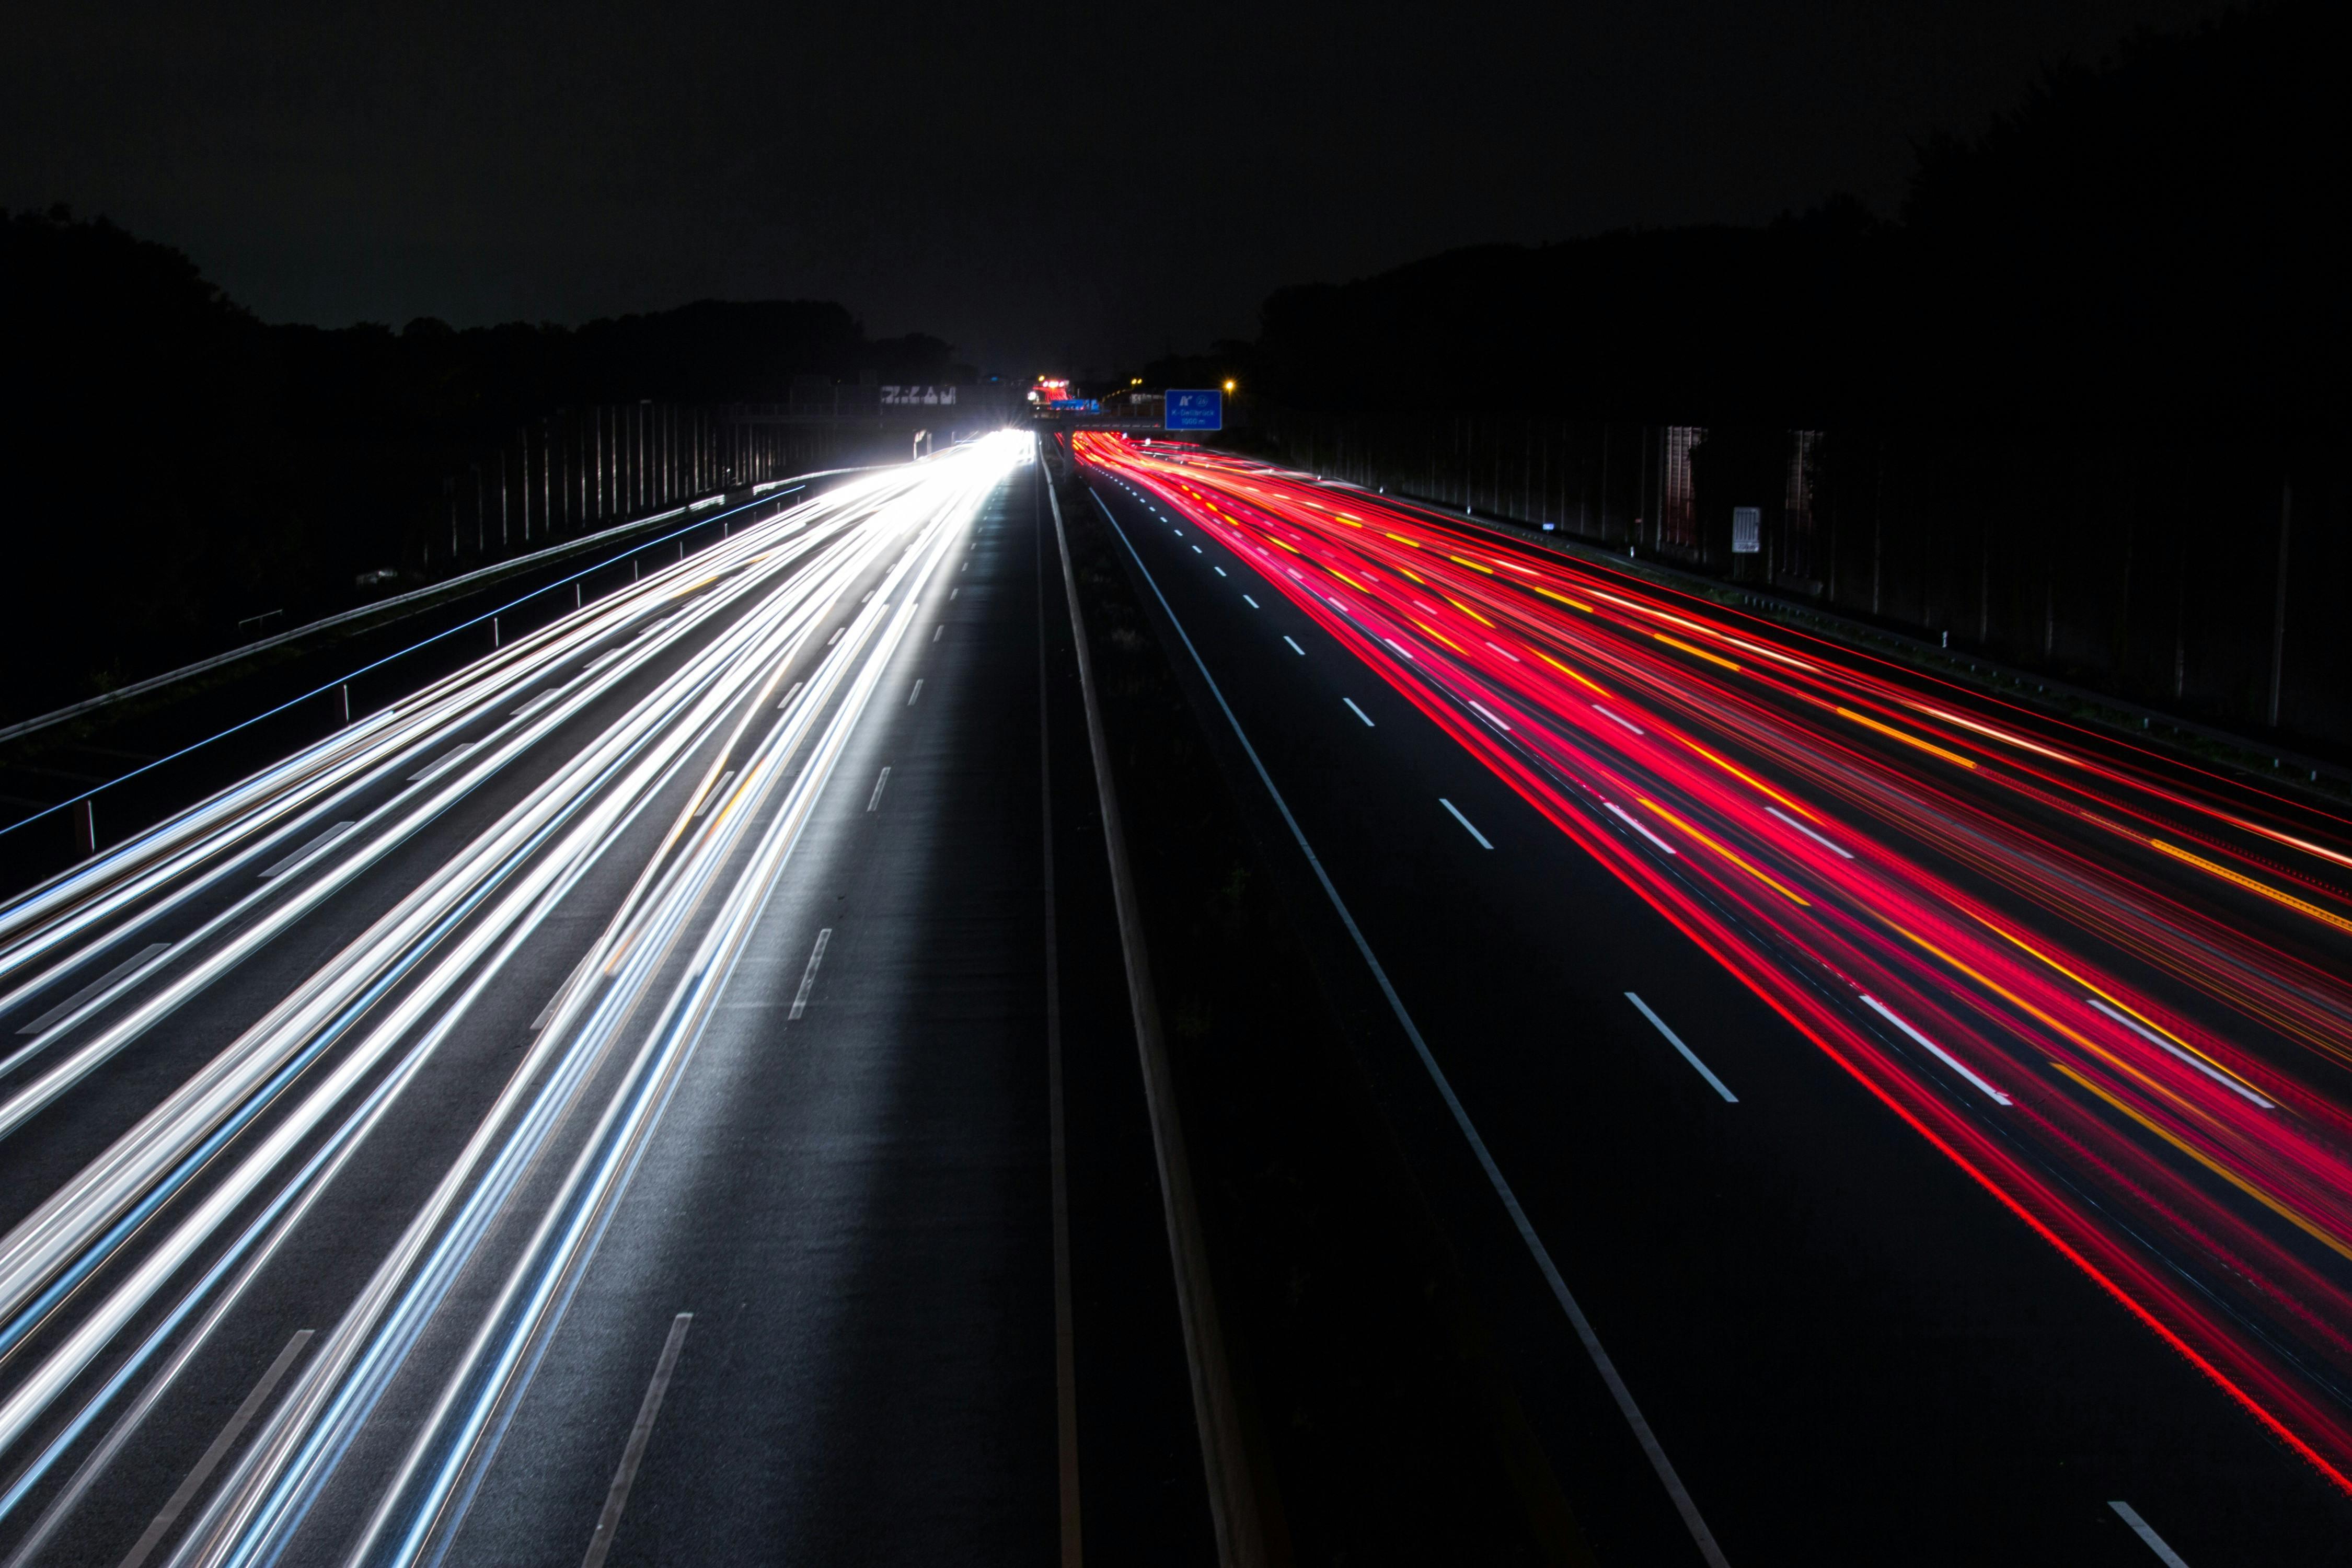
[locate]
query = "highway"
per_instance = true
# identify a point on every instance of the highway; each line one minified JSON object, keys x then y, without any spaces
{"x":1891,"y":1124}
{"x":594,"y":1107}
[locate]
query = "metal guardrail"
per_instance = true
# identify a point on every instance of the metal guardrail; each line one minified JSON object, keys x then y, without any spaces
{"x":456,"y":587}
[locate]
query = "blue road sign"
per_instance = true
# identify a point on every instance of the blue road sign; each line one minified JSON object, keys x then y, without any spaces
{"x":1194,"y":410}
{"x":1075,"y":404}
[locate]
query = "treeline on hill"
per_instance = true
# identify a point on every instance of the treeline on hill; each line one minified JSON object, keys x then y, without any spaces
{"x":2159,"y":238}
{"x":174,"y":464}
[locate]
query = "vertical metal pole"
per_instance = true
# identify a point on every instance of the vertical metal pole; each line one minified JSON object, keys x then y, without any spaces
{"x":1604,"y":482}
{"x":504,"y":544}
{"x":1877,"y":523}
{"x":2278,"y":614}
{"x":494,"y":631}
{"x":90,"y":827}
{"x":347,"y":703}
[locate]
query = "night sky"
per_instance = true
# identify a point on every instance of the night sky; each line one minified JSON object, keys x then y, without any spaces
{"x":1042,"y":185}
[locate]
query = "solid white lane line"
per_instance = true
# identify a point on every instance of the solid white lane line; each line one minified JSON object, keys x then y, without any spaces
{"x":1295,"y":649}
{"x":177,"y":1504}
{"x":1832,"y":848}
{"x":1941,"y":1055}
{"x":915,"y":693}
{"x":535,"y":704}
{"x":795,"y":691}
{"x":939,"y":631}
{"x":640,"y":1434}
{"x":1465,"y":822}
{"x":1688,"y":1055}
{"x":1604,"y":1364}
{"x":1627,"y":722}
{"x":717,"y":792}
{"x":447,"y":758}
{"x":2152,"y":1037}
{"x":1252,"y":603}
{"x":328,"y":837}
{"x":1358,"y":711}
{"x":93,"y":988}
{"x":808,"y":976}
{"x":876,"y":800}
{"x":1627,"y":818}
{"x":1490,"y":718}
{"x":2147,"y":1533}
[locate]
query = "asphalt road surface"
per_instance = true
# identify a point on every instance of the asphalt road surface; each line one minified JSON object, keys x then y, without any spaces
{"x":594,"y":1110}
{"x":1891,"y":1126}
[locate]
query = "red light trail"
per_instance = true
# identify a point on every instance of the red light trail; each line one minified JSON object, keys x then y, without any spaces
{"x":2109,"y":986}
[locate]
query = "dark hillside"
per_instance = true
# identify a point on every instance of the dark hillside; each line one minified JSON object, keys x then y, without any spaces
{"x":2161,"y":236}
{"x":175,"y":467}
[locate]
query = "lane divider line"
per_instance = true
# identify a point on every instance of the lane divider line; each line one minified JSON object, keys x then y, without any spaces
{"x":1295,"y":647}
{"x":447,"y":758}
{"x":324,"y":839}
{"x":808,"y":976}
{"x":717,"y":792}
{"x":1465,"y":822}
{"x":105,"y":980}
{"x":1824,"y":843}
{"x":2152,"y":1037}
{"x":2147,"y":1533}
{"x":177,"y":1504}
{"x":1644,"y":1434}
{"x":1688,"y":1055}
{"x":1941,"y":1055}
{"x":1358,"y":711}
{"x":641,"y":1433}
{"x":1627,"y":817}
{"x":879,"y":784}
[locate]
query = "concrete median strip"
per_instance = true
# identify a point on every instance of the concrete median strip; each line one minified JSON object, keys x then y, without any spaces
{"x":1669,"y":1478}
